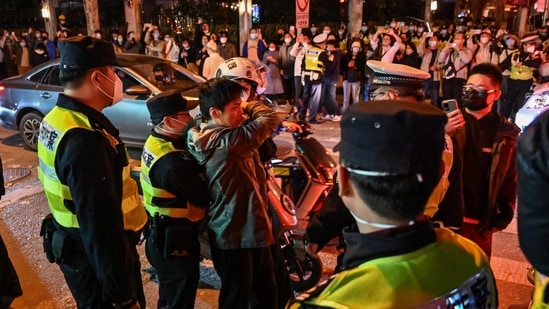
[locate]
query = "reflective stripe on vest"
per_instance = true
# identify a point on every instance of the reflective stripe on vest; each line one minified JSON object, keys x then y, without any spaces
{"x":55,"y":125}
{"x":154,"y":149}
{"x":312,"y":61}
{"x":521,"y":73}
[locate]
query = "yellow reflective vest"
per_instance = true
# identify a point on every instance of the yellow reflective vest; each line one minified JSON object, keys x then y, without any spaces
{"x":55,"y":125}
{"x":154,"y":149}
{"x":312,"y":61}
{"x":453,"y":269}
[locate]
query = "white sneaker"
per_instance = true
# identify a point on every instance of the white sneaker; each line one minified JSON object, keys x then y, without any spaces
{"x":336,"y":118}
{"x":328,"y":117}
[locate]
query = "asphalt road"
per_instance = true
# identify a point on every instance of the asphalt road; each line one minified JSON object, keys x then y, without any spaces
{"x":24,"y":205}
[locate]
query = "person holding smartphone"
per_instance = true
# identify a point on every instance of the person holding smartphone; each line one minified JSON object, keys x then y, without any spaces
{"x":456,"y":58}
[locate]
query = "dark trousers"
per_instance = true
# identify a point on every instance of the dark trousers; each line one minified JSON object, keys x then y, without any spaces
{"x":452,"y":89}
{"x":310,"y":99}
{"x":247,"y":278}
{"x":515,"y":98}
{"x":289,"y":86}
{"x":328,"y":99}
{"x":483,"y":240}
{"x":85,"y":286}
{"x":10,"y":288}
{"x":430,"y":89}
{"x":298,"y":91}
{"x":177,"y":275}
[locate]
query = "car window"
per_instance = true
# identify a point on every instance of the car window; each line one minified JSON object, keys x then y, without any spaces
{"x":38,"y":76}
{"x":165,"y":75}
{"x":53,"y":76}
{"x":127,"y":79}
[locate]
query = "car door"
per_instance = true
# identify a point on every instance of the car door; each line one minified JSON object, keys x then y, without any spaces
{"x":47,"y":90}
{"x":130,"y":115}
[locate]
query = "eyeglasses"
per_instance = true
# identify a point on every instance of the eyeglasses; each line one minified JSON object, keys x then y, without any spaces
{"x":468,"y":90}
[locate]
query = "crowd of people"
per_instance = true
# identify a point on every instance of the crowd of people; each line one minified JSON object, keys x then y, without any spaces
{"x":419,"y":195}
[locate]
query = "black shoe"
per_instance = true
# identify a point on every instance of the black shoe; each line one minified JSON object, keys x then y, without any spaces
{"x":314,"y":121}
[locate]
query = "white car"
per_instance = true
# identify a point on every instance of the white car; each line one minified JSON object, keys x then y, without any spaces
{"x":536,"y":104}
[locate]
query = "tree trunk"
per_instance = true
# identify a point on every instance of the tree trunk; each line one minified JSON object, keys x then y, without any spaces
{"x":91,"y":7}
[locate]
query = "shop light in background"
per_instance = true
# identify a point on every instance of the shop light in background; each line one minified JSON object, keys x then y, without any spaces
{"x":434,"y":5}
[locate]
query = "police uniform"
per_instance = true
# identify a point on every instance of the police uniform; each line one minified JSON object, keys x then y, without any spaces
{"x":172,"y":183}
{"x":314,"y":62}
{"x":97,"y":212}
{"x":405,"y":266}
{"x":520,"y":78}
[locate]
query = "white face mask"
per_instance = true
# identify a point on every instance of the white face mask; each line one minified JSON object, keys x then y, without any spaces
{"x":326,"y":32}
{"x":22,"y":44}
{"x":421,"y":29}
{"x":432,"y":43}
{"x":484,"y":40}
{"x":260,"y":90}
{"x":393,"y":25}
{"x":313,"y":29}
{"x":167,"y":39}
{"x":372,"y":224}
{"x":531,"y":49}
{"x":223,"y":40}
{"x":444,"y":32}
{"x":510,"y":43}
{"x":156,"y":35}
{"x":288,"y":40}
{"x":356,"y":50}
{"x":117,"y":94}
{"x":253,"y":36}
{"x":272,"y":49}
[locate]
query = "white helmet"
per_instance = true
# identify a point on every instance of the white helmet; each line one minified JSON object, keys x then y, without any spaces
{"x":240,"y":68}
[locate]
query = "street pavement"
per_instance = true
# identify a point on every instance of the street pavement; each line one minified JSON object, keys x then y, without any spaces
{"x":24,"y":205}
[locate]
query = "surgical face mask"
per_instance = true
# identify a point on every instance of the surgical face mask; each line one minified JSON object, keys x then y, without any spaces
{"x":460,"y":28}
{"x":510,"y":43}
{"x":484,"y":40}
{"x":372,"y":224}
{"x":432,"y":43}
{"x":167,"y":39}
{"x":62,"y":22}
{"x":287,"y":40}
{"x":364,"y":29}
{"x":204,"y":43}
{"x":356,"y":50}
{"x":38,"y":35}
{"x":22,"y":43}
{"x":272,"y":49}
{"x":444,"y":32}
{"x":420,"y":29}
{"x":393,"y":25}
{"x":341,"y":32}
{"x":156,"y":35}
{"x":223,"y":40}
{"x":313,"y":30}
{"x":117,"y":94}
{"x":530,"y":48}
{"x":326,"y":32}
{"x":120,"y":40}
{"x":186,"y":46}
{"x":253,"y":36}
{"x":475,"y":99}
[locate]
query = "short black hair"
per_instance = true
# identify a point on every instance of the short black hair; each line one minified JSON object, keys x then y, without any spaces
{"x":217,"y":93}
{"x":399,"y":197}
{"x":490,"y":70}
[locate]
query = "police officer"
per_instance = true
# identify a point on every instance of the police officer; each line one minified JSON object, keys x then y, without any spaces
{"x":175,"y":197}
{"x":523,"y":64}
{"x":389,"y":164}
{"x":314,"y":63}
{"x":97,"y":213}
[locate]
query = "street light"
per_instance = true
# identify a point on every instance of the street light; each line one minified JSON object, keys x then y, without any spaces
{"x":45,"y":12}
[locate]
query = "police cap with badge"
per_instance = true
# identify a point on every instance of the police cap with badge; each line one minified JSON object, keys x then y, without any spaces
{"x":84,"y":52}
{"x":397,"y":75}
{"x":169,"y":102}
{"x":392,"y":137}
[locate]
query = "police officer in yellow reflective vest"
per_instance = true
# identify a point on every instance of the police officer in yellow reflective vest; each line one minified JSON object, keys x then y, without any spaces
{"x":97,"y":215}
{"x":176,"y":197}
{"x":314,"y":61}
{"x":390,"y":161}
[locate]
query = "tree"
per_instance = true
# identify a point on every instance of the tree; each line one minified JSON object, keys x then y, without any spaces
{"x":91,"y":7}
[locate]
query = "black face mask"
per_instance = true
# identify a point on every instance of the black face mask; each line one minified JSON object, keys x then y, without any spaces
{"x":474,"y":99}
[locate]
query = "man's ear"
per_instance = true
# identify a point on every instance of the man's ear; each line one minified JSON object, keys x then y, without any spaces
{"x":215,"y":113}
{"x":345,"y":186}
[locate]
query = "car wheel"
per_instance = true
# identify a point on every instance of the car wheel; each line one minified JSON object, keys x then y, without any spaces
{"x":30,"y":128}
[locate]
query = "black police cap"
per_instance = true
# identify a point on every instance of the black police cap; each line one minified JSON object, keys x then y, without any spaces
{"x":85,"y":52}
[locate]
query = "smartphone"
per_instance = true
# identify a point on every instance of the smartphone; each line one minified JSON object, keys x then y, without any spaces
{"x":449,"y":106}
{"x":429,"y":34}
